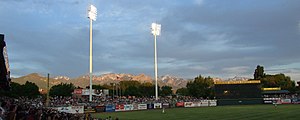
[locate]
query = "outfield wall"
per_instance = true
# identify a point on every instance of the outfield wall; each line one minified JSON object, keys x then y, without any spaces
{"x":71,"y":109}
{"x":134,"y":107}
{"x":281,"y":100}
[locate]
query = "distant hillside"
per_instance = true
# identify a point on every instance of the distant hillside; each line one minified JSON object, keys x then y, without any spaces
{"x":83,"y":81}
{"x":39,"y":80}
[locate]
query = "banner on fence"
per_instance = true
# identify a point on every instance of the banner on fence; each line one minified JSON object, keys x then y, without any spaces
{"x":120,"y":107}
{"x":110,"y":108}
{"x":150,"y":106}
{"x":213,"y":103}
{"x":180,"y":104}
{"x":136,"y":106}
{"x":142,"y":106}
{"x":77,"y":109}
{"x":286,"y":101}
{"x":204,"y":103}
{"x":189,"y":104}
{"x":100,"y":108}
{"x":64,"y":109}
{"x":271,"y":100}
{"x":157,"y":105}
{"x":128,"y":107}
{"x":71,"y":109}
{"x":166,"y":105}
{"x":197,"y":104}
{"x":295,"y":100}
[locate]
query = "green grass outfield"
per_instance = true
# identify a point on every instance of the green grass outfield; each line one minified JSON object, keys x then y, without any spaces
{"x":237,"y":112}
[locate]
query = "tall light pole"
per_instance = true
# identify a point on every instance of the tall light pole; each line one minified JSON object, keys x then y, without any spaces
{"x":156,"y":28}
{"x":92,"y":14}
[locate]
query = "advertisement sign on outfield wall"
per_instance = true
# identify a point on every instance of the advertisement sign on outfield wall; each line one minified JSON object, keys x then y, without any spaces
{"x":150,"y":106}
{"x":120,"y":107}
{"x":204,"y":103}
{"x":142,"y":106}
{"x":180,"y":104}
{"x":286,"y":101}
{"x":64,"y":109}
{"x":128,"y":107}
{"x":189,"y":104}
{"x":110,"y":108}
{"x":166,"y":105}
{"x":157,"y":105}
{"x":100,"y":108}
{"x":136,"y":106}
{"x":71,"y":109}
{"x":213,"y":103}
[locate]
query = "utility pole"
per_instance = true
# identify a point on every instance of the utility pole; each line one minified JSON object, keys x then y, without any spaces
{"x":48,"y":90}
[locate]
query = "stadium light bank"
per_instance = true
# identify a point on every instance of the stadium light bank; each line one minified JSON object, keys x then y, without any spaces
{"x":92,"y":15}
{"x":155,"y":30}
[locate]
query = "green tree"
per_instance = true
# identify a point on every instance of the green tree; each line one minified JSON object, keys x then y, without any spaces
{"x":201,"y":87}
{"x":182,"y":91}
{"x":99,"y":87}
{"x":30,"y":89}
{"x":62,"y":89}
{"x":110,"y":88}
{"x":132,"y":91}
{"x":147,"y":89}
{"x":127,"y":84}
{"x":16,"y":91}
{"x":130,"y":88}
{"x":259,"y":72}
{"x":279,"y":80}
{"x":166,"y":91}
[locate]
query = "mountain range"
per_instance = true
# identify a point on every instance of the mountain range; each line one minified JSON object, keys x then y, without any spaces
{"x":83,"y":81}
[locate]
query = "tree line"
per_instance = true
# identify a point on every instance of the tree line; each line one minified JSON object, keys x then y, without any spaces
{"x":29,"y":89}
{"x":277,"y":80}
{"x":200,"y":87}
{"x":125,"y":88}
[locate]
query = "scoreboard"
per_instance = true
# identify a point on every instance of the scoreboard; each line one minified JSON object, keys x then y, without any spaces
{"x":238,"y":92}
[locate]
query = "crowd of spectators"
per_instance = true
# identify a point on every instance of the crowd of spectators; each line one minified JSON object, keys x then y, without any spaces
{"x":59,"y":101}
{"x":282,"y":96}
{"x":31,"y":109}
{"x":102,"y":101}
{"x":23,"y":108}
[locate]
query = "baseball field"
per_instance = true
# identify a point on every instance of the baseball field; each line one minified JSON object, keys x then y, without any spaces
{"x":237,"y":112}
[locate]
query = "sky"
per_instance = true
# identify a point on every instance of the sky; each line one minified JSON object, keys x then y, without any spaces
{"x":214,"y":38}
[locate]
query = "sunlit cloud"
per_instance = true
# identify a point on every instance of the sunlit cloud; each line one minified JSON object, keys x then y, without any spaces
{"x":102,"y":72}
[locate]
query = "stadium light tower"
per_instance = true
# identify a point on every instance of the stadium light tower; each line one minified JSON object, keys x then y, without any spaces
{"x":156,"y":28}
{"x":92,"y":15}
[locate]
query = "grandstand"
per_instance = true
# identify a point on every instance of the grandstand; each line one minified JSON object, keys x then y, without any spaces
{"x":279,"y":96}
{"x":238,"y":92}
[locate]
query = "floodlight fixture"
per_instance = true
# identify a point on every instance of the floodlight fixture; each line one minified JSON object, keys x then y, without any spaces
{"x":156,"y":28}
{"x":92,"y":12}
